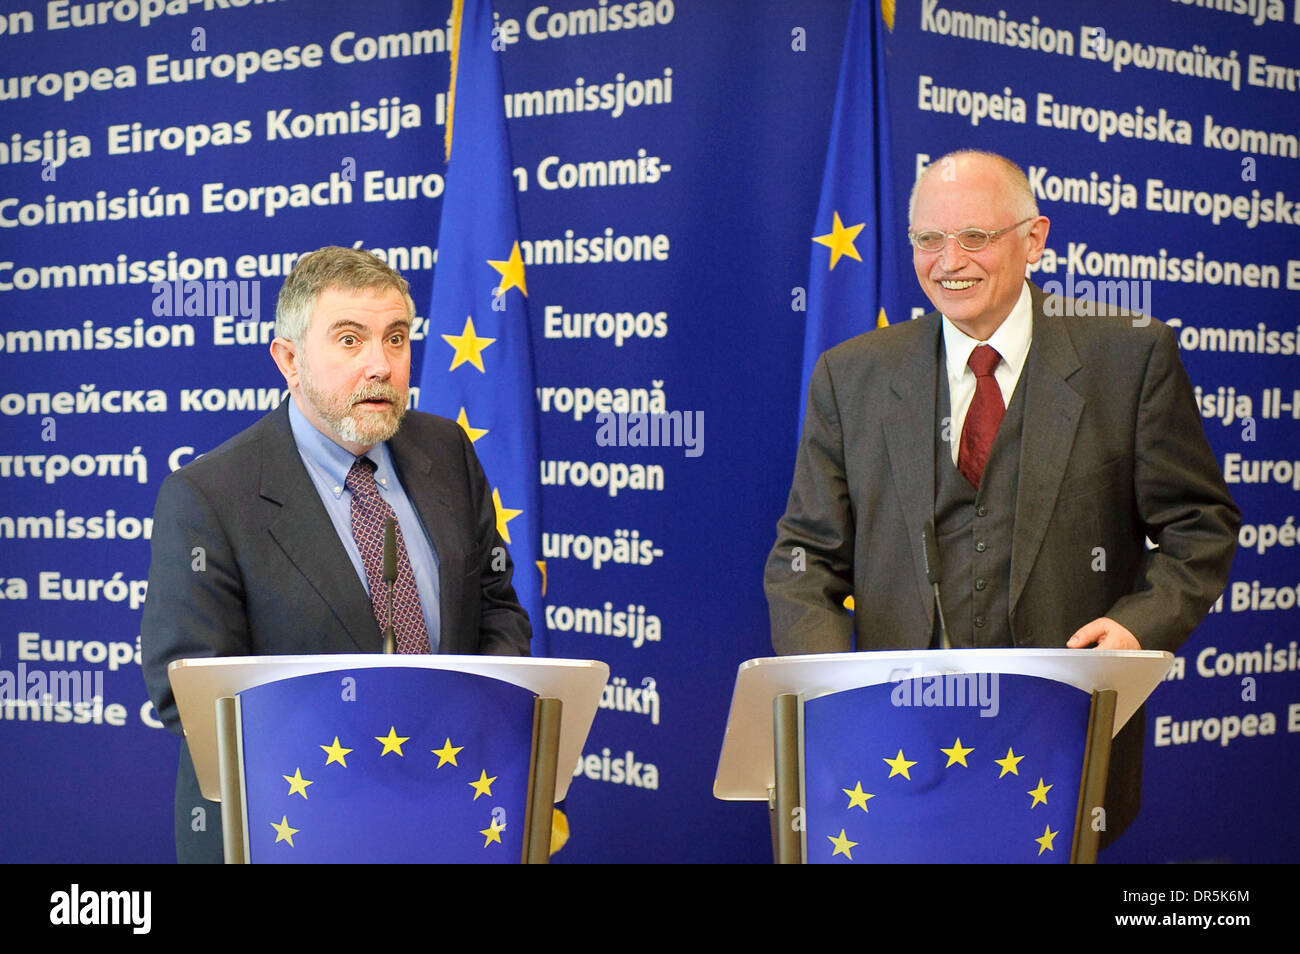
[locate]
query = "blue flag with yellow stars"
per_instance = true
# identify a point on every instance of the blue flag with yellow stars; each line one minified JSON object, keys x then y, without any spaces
{"x":478,"y":360}
{"x":857,"y":238}
{"x":386,"y":765}
{"x":945,"y":769}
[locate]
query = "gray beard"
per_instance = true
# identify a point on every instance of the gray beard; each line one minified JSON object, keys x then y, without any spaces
{"x":338,"y":414}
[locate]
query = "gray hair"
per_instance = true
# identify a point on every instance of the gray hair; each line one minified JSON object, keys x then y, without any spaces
{"x":1017,"y":181}
{"x":331,"y":267}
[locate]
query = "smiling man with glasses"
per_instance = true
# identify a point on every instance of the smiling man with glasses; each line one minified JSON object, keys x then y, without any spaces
{"x":1045,"y":449}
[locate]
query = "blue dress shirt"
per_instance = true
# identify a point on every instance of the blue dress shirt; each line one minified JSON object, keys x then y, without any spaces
{"x":328,"y":464}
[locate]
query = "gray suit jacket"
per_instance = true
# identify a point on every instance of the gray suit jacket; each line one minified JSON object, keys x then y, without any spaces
{"x":276,"y":580}
{"x":1112,"y":451}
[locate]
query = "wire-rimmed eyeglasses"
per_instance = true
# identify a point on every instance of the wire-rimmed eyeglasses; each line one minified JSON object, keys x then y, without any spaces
{"x":972,"y":239}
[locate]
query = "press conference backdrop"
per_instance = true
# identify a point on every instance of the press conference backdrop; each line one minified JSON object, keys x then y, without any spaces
{"x":668,"y":159}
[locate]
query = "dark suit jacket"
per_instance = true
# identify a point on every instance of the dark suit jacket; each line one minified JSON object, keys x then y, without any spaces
{"x":1112,"y":451}
{"x":276,"y":580}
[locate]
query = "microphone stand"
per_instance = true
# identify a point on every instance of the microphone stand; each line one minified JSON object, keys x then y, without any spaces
{"x":390,"y":577}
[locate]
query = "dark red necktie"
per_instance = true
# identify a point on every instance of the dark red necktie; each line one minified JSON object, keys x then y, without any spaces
{"x":369,"y":511}
{"x":984,"y":416}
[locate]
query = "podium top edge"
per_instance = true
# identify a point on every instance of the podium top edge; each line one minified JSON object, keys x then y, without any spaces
{"x":965,"y":654}
{"x":376,"y":660}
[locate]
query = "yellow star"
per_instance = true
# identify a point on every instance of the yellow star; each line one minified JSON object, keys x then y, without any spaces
{"x":483,"y":786}
{"x":297,"y":783}
{"x":474,"y":433}
{"x":392,"y":742}
{"x":283,"y":832}
{"x":512,"y":272}
{"x":504,"y":515}
{"x":491,"y":833}
{"x":1009,"y":763}
{"x":336,"y":753}
{"x":957,"y":754}
{"x":1039,"y":793}
{"x":541,"y":568}
{"x":881,"y":320}
{"x":559,"y":830}
{"x":857,"y":796}
{"x":840,"y":240}
{"x":842,"y":845}
{"x":1045,"y":842}
{"x":899,"y":766}
{"x":447,"y":754}
{"x":469,"y":347}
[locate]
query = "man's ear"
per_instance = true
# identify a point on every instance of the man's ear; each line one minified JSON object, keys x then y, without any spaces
{"x":1037,"y":238}
{"x":285,"y":353}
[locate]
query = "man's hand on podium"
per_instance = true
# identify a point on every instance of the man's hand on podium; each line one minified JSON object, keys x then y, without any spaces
{"x":1105,"y":633}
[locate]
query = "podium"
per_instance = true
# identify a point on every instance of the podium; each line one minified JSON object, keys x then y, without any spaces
{"x":300,"y":738}
{"x":937,"y":755}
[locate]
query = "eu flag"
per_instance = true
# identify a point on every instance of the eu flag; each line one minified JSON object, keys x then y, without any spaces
{"x":852,"y":282}
{"x":478,"y":362}
{"x":386,"y":765}
{"x":946,"y":768}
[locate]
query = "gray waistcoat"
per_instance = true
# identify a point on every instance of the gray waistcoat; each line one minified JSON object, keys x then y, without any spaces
{"x":974,"y":527}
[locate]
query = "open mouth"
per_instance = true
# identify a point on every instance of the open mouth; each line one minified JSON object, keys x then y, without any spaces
{"x":955,"y":284}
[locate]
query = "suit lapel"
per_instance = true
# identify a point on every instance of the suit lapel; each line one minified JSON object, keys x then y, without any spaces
{"x":306,"y":534}
{"x":1052,"y":411}
{"x":909,"y":439}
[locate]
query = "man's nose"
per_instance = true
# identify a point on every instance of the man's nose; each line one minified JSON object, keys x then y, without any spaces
{"x":952,"y":256}
{"x":378,"y":362}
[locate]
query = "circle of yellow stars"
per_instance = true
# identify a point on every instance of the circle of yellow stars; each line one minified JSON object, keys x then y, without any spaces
{"x":467,"y":348}
{"x":957,"y":753}
{"x":336,"y":753}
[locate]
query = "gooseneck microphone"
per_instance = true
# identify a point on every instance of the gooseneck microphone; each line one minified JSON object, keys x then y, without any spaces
{"x":934,"y":573}
{"x":390,"y":577}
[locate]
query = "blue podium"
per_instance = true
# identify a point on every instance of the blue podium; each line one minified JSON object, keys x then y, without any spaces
{"x":996,"y":755}
{"x":324,"y":759}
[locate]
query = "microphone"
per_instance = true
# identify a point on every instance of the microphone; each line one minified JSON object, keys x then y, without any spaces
{"x":390,"y":577}
{"x":934,"y":573}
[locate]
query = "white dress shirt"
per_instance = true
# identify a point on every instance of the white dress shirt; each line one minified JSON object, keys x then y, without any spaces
{"x":1011,"y":340}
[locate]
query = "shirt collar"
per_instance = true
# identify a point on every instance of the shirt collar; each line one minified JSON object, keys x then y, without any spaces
{"x":1011,"y":340}
{"x":328,"y":458}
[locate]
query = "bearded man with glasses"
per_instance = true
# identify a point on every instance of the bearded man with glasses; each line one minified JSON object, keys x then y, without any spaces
{"x":1046,"y":449}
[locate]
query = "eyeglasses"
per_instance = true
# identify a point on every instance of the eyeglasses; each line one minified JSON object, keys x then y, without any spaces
{"x":972,"y":240}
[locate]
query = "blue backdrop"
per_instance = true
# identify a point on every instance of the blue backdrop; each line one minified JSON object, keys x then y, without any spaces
{"x":133,"y":152}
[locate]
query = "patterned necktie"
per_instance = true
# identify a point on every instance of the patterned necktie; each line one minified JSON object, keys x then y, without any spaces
{"x":369,"y":511}
{"x":984,"y":416}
